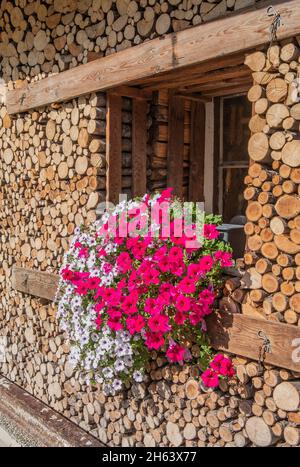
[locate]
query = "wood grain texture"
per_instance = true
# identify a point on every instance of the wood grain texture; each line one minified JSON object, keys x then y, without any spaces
{"x":238,"y":334}
{"x":114,"y":148}
{"x":139,"y":147}
{"x":176,"y":144}
{"x":241,"y":31}
{"x":37,"y":283}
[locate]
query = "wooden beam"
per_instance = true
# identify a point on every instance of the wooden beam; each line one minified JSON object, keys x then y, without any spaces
{"x":216,"y":152}
{"x":37,"y":283}
{"x":114,"y":148}
{"x":220,"y":74}
{"x":139,"y":147}
{"x":189,"y":75}
{"x":239,"y":335}
{"x":176,"y":144}
{"x":233,"y":333}
{"x":197,"y":152}
{"x":241,"y":31}
{"x":194,"y":97}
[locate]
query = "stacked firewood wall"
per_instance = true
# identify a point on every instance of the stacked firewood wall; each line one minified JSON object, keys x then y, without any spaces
{"x":52,"y":177}
{"x":52,"y":173}
{"x":273,"y":182}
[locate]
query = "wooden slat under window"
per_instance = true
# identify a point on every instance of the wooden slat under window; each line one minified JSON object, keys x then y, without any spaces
{"x":197,"y":152}
{"x":176,"y":144}
{"x":114,"y":148}
{"x":139,"y":147}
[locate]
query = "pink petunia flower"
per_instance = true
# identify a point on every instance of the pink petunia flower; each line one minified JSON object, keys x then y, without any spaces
{"x":210,"y":231}
{"x":180,"y":318}
{"x":210,"y":378}
{"x":225,"y":258}
{"x":154,"y":340}
{"x":129,"y":304}
{"x":183,"y":303}
{"x":159,"y":323}
{"x":187,"y":286}
{"x":124,"y":262}
{"x":206,"y":263}
{"x":135,"y":324}
{"x":175,"y":353}
{"x":227,"y":368}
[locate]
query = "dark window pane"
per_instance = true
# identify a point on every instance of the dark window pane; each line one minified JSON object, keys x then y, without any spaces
{"x":236,"y":133}
{"x":234,"y":203}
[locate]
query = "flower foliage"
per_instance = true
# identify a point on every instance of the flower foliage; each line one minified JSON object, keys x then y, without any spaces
{"x":131,"y":284}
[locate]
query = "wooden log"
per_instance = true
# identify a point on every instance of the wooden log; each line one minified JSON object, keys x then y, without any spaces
{"x":259,"y":149}
{"x":287,"y":396}
{"x":276,"y":114}
{"x":290,"y":153}
{"x":278,"y":225}
{"x":256,"y":61}
{"x":292,"y":435}
{"x":259,"y":432}
{"x":277,"y":90}
{"x":254,"y":211}
{"x":270,"y":283}
{"x":288,"y":206}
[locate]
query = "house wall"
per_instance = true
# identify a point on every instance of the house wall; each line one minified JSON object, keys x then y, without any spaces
{"x":52,"y":176}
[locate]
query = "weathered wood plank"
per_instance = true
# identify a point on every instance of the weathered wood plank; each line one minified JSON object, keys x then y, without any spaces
{"x":176,"y":144}
{"x":37,"y":283}
{"x":197,"y":152}
{"x":241,"y":31}
{"x":139,"y":147}
{"x":114,"y":148}
{"x":238,"y":334}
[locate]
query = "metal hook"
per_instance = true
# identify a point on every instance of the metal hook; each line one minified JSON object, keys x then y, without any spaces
{"x":276,"y":23}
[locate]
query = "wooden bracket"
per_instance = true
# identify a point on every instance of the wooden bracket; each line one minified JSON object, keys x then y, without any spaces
{"x":237,"y":32}
{"x":242,"y":335}
{"x":37,"y":283}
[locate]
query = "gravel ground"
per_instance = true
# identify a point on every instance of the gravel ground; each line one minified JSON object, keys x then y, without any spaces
{"x":11,"y":437}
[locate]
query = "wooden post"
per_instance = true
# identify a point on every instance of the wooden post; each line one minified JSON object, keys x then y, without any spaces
{"x":217,"y":122}
{"x":197,"y":152}
{"x":176,"y":144}
{"x":139,"y":147}
{"x":114,"y":147}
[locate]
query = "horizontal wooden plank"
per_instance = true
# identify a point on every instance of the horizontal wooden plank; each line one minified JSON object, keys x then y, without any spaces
{"x":37,"y":283}
{"x":232,"y":333}
{"x":241,"y":31}
{"x":239,"y":335}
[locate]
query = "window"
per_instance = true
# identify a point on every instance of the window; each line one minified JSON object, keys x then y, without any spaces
{"x":235,"y":113}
